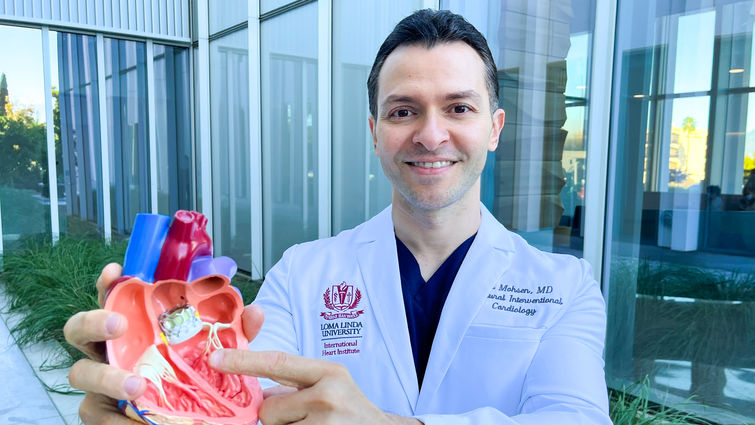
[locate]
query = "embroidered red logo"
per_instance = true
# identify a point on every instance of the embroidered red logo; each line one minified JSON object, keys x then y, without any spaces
{"x":340,"y":298}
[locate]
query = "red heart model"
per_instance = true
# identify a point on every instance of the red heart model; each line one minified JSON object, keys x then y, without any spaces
{"x":173,"y":326}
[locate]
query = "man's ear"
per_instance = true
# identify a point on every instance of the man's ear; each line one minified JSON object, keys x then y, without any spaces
{"x":499,"y":117}
{"x":373,"y":129}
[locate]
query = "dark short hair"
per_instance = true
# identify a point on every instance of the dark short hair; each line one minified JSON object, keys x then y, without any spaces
{"x":429,"y":27}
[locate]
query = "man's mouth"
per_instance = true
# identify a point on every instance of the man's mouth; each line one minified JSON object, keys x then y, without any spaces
{"x":436,"y":164}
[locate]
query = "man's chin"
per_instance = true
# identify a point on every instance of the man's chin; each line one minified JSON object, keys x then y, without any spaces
{"x":429,"y":202}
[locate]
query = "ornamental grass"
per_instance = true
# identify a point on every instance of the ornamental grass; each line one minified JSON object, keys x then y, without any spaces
{"x":632,"y":405}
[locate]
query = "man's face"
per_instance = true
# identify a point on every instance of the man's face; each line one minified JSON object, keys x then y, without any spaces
{"x":434,"y":125}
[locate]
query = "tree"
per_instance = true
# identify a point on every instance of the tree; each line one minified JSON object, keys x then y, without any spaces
{"x":22,"y":149}
{"x":688,"y":126}
{"x":750,"y":163}
{"x":3,"y":94}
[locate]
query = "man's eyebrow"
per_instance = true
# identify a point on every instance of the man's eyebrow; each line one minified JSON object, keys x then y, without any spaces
{"x":466,"y":94}
{"x":396,"y":98}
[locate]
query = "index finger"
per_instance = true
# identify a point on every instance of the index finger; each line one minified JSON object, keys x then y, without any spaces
{"x":109,"y":275}
{"x":283,"y":368}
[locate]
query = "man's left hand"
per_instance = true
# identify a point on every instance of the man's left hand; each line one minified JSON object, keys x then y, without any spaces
{"x":323,"y":392}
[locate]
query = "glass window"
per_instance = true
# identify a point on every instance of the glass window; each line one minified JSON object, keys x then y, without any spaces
{"x":24,"y":189}
{"x":289,"y":131}
{"x":78,"y":132}
{"x":126,"y":82}
{"x":231,"y":194}
{"x":681,"y":217}
{"x":268,"y":5}
{"x":227,"y":13}
{"x":360,"y":188}
{"x":535,"y":182}
{"x":173,"y":129}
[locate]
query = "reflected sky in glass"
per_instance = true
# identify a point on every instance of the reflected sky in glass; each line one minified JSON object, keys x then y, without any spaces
{"x":694,"y":52}
{"x":25,"y":88}
{"x":576,"y":65}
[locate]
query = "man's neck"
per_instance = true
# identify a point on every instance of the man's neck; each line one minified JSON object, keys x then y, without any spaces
{"x":432,"y":236}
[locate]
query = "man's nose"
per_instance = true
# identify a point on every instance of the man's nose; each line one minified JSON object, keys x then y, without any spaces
{"x":431,"y":132}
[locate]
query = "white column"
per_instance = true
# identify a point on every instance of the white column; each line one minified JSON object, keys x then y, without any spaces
{"x":255,"y":138}
{"x":324,"y":79}
{"x":599,"y":117}
{"x":104,"y":142}
{"x":152,"y":126}
{"x":204,"y":135}
{"x":52,"y":170}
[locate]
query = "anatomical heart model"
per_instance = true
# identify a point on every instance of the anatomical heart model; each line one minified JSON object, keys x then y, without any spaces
{"x":180,"y":308}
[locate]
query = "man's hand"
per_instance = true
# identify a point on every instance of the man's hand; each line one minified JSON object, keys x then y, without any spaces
{"x":87,"y":331}
{"x":322,"y":392}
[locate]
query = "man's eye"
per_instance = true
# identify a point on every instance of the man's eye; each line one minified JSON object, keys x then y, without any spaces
{"x":460,"y":109}
{"x":401,"y":113}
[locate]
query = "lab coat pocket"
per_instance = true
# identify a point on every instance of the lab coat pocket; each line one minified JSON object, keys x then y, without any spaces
{"x":494,"y":361}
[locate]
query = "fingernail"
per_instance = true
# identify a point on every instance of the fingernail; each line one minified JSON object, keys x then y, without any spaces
{"x":111,"y":324}
{"x":216,"y":358}
{"x":132,"y":384}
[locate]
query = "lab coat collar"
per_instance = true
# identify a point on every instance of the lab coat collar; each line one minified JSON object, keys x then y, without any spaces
{"x":378,"y":262}
{"x":487,"y":259}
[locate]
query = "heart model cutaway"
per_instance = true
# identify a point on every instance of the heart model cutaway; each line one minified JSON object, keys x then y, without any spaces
{"x":173,"y":326}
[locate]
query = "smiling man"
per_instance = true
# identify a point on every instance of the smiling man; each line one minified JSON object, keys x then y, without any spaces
{"x":431,"y":312}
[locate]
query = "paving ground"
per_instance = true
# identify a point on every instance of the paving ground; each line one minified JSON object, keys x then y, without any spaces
{"x":23,"y":398}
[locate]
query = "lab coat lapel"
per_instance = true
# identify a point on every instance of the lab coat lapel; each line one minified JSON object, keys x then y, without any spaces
{"x":486,"y":261}
{"x":378,"y":263}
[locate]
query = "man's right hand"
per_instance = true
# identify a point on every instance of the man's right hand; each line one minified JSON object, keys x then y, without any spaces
{"x":104,"y":384}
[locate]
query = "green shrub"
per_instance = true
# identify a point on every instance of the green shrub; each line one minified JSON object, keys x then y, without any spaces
{"x":676,"y":280}
{"x":47,"y":284}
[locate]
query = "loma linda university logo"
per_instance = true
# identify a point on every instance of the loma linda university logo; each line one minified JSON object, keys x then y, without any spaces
{"x":342,"y":300}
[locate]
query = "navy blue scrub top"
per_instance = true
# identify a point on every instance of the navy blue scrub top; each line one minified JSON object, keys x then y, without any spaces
{"x":423,"y":301}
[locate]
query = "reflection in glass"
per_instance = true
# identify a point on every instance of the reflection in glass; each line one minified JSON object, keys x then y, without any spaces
{"x":534,"y":182}
{"x":229,"y":97}
{"x":24,"y":188}
{"x":173,"y":129}
{"x":78,"y":132}
{"x":269,"y":5}
{"x":289,"y":131}
{"x":360,"y":189}
{"x":680,"y":269}
{"x":688,"y":145}
{"x":227,"y":13}
{"x":694,"y":51}
{"x":126,"y":82}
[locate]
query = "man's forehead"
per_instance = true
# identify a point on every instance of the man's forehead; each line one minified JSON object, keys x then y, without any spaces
{"x":420,"y":46}
{"x":444,"y":62}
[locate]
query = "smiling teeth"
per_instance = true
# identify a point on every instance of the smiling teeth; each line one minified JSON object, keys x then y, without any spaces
{"x":437,"y":164}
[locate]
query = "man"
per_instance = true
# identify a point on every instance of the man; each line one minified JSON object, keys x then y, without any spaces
{"x":431,"y":312}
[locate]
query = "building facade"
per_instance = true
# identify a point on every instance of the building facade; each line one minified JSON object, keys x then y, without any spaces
{"x":628,"y":141}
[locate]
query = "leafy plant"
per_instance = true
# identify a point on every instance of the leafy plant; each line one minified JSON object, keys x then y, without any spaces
{"x":665,"y":279}
{"x":632,"y":406}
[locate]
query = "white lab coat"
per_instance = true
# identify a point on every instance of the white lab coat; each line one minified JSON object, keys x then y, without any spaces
{"x":520,"y":339}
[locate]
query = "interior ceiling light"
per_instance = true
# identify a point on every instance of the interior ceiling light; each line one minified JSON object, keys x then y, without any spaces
{"x":736,"y":70}
{"x":638,"y":96}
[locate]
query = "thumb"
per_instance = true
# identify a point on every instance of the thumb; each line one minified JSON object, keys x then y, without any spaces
{"x":252,"y":319}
